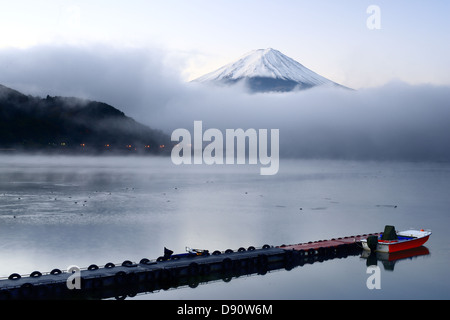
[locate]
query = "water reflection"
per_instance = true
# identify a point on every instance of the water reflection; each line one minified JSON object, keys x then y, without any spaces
{"x":388,"y":260}
{"x":135,"y":207}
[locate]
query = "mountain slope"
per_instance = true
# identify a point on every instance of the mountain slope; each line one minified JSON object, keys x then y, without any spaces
{"x":267,"y":70}
{"x":32,"y":123}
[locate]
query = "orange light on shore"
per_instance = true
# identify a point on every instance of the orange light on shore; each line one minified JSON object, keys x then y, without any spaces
{"x":83,"y":145}
{"x":162,"y":146}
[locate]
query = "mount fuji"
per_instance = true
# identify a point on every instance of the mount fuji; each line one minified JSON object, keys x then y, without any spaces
{"x":267,"y":70}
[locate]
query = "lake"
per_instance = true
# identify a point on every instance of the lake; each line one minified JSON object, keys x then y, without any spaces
{"x":58,"y":211}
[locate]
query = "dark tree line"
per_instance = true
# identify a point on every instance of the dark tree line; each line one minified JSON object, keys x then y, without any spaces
{"x":33,"y":123}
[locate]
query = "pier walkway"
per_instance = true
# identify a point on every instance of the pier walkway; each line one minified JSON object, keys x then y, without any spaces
{"x":130,"y":278}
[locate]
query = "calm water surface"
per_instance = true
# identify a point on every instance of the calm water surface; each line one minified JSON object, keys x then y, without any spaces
{"x":59,"y":211}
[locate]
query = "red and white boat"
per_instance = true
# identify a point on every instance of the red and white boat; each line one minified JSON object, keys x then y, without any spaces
{"x":392,"y":241}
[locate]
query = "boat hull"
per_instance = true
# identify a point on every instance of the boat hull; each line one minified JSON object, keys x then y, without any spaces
{"x":416,"y":239}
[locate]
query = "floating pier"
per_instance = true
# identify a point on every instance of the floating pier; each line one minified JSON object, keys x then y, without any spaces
{"x":322,"y":247}
{"x":130,"y":278}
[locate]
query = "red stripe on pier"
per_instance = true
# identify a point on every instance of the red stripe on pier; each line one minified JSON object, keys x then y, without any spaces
{"x":335,"y":242}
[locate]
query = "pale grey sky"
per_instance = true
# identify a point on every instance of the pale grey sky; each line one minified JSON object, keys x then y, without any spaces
{"x":197,"y":36}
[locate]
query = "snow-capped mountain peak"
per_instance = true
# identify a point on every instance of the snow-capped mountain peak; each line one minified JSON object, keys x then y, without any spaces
{"x":267,"y":70}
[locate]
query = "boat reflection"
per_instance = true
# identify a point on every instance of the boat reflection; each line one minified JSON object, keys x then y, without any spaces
{"x":388,"y":260}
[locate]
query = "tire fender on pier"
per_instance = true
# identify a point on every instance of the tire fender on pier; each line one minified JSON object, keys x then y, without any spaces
{"x":35,"y":274}
{"x":55,"y":272}
{"x":93,"y":267}
{"x":14,"y":276}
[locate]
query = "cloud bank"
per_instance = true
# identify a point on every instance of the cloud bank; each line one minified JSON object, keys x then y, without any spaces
{"x":394,"y":122}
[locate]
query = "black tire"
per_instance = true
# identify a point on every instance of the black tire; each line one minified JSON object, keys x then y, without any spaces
{"x":55,"y":272}
{"x":35,"y":274}
{"x":14,"y":276}
{"x":127,"y":263}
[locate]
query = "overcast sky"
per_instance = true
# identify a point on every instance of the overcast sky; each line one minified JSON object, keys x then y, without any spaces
{"x":330,"y":37}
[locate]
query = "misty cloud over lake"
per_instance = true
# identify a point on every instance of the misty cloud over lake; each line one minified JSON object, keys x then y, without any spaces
{"x":395,"y":121}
